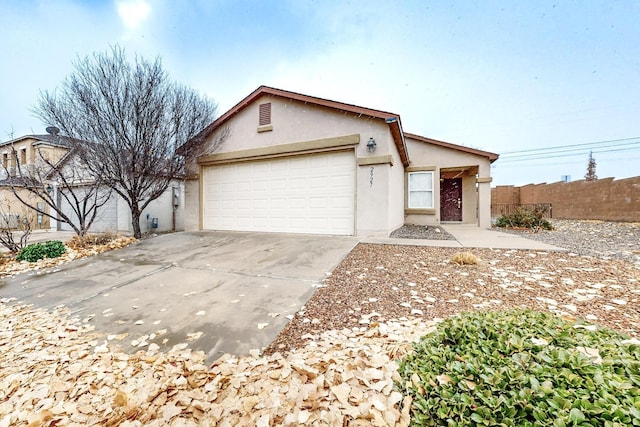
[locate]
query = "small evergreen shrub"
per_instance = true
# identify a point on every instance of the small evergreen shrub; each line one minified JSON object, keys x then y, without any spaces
{"x":522,"y":368}
{"x":38,"y":251}
{"x":526,"y":218}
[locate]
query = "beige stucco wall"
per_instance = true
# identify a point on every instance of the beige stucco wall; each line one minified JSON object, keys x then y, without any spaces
{"x":191,"y":205}
{"x":161,"y":208}
{"x":396,"y":192}
{"x":294,"y":121}
{"x":379,"y":207}
{"x":476,"y":198}
{"x":372,"y":213}
{"x":10,"y":205}
{"x":32,"y":149}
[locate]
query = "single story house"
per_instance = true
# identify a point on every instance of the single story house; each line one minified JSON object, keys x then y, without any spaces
{"x":280,"y":161}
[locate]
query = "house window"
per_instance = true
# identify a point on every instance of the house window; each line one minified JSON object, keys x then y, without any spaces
{"x":420,"y":190}
{"x":5,"y":160}
{"x":265,"y":114}
{"x":23,"y":156}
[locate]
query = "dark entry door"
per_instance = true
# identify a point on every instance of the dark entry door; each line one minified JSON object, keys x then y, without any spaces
{"x":451,"y":199}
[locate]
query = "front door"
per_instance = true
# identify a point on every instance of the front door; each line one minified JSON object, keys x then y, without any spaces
{"x":451,"y":199}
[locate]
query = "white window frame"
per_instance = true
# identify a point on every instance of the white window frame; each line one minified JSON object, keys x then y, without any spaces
{"x":419,"y":190}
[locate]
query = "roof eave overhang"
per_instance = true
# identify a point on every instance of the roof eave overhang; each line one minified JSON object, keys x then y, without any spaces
{"x":395,"y":127}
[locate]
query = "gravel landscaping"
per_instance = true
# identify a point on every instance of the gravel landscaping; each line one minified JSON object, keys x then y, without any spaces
{"x":411,"y":231}
{"x":333,"y":364}
{"x":376,"y":283}
{"x":595,"y":238}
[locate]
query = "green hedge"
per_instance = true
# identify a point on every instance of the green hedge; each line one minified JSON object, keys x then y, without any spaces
{"x":522,"y":368}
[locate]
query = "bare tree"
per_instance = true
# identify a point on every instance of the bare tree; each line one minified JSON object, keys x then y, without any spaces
{"x":15,"y":227}
{"x":73,"y":196}
{"x":134,"y":118}
{"x":591,"y":169}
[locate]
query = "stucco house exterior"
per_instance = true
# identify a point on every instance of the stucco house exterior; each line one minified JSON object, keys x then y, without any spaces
{"x":281,"y":161}
{"x":114,"y":216}
{"x":26,"y":155}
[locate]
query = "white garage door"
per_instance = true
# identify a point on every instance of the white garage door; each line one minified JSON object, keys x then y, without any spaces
{"x":106,"y":218}
{"x":305,"y":194}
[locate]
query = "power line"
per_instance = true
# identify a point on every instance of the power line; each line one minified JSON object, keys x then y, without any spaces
{"x":630,"y":145}
{"x":560,"y":154}
{"x":583,"y":145}
{"x":564,"y":163}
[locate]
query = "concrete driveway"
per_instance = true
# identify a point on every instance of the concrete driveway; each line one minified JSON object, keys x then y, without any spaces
{"x":221,"y":292}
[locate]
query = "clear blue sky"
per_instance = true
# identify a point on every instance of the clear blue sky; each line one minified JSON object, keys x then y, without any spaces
{"x":498,"y":76}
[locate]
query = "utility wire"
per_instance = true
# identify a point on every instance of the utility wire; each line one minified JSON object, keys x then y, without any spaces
{"x":575,"y":146}
{"x":536,"y":164}
{"x":570,"y":153}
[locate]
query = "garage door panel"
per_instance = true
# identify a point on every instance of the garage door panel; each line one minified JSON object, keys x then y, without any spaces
{"x":305,"y":194}
{"x":258,"y":186}
{"x":278,"y":184}
{"x":296,"y":183}
{"x":318,"y":202}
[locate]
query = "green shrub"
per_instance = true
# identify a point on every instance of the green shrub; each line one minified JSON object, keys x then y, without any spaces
{"x":526,"y":218}
{"x":522,"y":368}
{"x":38,"y":251}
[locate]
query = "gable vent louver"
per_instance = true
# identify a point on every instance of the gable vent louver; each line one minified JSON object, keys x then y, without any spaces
{"x":265,"y":114}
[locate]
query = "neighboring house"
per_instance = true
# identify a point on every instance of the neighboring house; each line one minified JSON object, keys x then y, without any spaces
{"x":115,"y":215}
{"x":167,"y":212}
{"x":285,"y":162}
{"x":24,"y":151}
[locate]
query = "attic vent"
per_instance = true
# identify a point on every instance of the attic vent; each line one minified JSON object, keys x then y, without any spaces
{"x":265,"y":114}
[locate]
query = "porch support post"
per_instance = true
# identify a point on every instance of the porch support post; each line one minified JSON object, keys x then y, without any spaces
{"x":484,"y":202}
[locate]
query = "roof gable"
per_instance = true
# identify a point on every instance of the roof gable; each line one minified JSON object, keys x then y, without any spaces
{"x":55,"y":140}
{"x":491,"y":156}
{"x":391,"y":119}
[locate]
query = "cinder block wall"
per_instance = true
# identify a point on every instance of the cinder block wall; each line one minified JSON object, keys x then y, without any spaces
{"x":605,"y":199}
{"x":505,"y":195}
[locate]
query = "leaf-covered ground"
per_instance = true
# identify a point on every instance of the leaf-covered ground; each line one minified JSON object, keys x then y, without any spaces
{"x":57,"y":371}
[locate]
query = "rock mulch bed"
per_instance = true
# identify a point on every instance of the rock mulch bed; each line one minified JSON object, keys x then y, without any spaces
{"x":594,"y":238}
{"x":411,"y":231}
{"x":375,"y":283}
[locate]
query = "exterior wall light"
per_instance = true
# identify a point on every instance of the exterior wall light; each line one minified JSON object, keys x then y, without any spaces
{"x":371,"y":145}
{"x":49,"y":189}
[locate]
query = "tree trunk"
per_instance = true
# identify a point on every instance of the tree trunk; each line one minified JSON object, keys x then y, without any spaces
{"x":135,"y":222}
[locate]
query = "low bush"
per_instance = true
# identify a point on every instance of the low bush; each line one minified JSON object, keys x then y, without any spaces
{"x":522,"y":368}
{"x":90,"y":240}
{"x":526,"y":218}
{"x":38,"y":251}
{"x":464,"y":258}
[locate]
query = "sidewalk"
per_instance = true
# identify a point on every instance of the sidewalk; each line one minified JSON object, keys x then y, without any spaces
{"x":472,"y":236}
{"x":44,"y":235}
